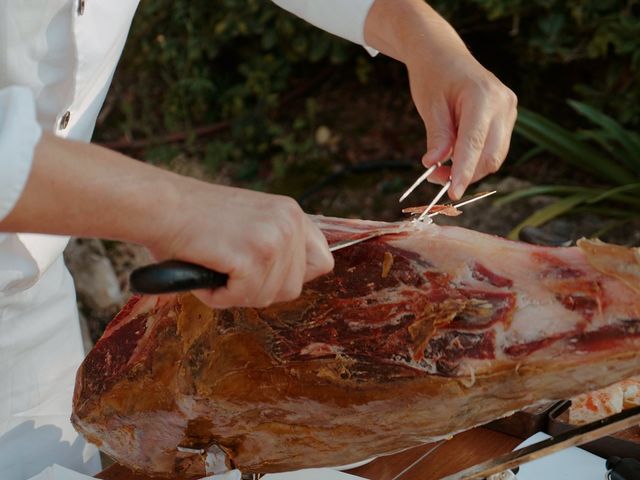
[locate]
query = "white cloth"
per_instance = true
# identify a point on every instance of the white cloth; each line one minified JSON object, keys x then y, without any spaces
{"x":19,"y":133}
{"x":56,"y":472}
{"x":54,"y":58}
{"x":40,"y":349}
{"x":60,"y":60}
{"x":344,"y":18}
{"x":57,"y":59}
{"x":307,"y":474}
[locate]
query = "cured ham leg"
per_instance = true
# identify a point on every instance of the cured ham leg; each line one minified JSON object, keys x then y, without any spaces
{"x":413,"y":337}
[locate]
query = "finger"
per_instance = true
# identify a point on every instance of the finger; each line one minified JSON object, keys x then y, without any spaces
{"x":274,"y":283}
{"x":319,"y":259}
{"x":494,"y":153}
{"x":275,"y":278}
{"x":249,"y":284}
{"x":214,"y":298}
{"x":440,"y":134}
{"x":498,"y":141}
{"x":289,"y":272}
{"x":441,"y":175}
{"x":256,"y":289}
{"x":470,"y":142}
{"x":286,"y":274}
{"x":293,"y":277}
{"x":242,"y":281}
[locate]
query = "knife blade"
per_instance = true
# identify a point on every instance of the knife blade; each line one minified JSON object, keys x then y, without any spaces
{"x":578,"y":436}
{"x":402,"y":227}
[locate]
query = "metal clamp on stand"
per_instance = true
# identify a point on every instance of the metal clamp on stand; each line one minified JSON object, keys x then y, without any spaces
{"x":623,"y":469}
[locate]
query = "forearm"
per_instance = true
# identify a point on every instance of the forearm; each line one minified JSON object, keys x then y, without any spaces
{"x":468,"y":113}
{"x":84,"y":190}
{"x":265,"y":243}
{"x":402,"y":28}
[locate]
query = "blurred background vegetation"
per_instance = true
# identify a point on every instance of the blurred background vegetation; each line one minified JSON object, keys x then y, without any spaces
{"x":241,"y":92}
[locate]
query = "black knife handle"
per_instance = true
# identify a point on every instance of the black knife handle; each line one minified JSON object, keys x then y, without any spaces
{"x":174,"y":276}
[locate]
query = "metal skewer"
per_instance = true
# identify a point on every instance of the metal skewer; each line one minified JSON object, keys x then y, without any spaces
{"x":475,"y":198}
{"x":435,"y":200}
{"x":420,"y":179}
{"x":466,"y":201}
{"x":354,"y":241}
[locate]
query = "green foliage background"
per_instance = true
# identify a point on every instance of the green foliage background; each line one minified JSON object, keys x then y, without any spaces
{"x":190,"y":63}
{"x":584,"y":48}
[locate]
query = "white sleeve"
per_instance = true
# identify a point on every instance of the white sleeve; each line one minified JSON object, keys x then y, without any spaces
{"x":19,"y":134}
{"x":344,"y":18}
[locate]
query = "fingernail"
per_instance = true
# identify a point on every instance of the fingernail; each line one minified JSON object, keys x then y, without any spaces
{"x":458,"y":191}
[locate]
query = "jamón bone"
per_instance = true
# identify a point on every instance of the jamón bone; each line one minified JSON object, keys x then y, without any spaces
{"x":413,"y":337}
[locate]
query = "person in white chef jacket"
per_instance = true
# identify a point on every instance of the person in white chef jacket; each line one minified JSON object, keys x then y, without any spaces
{"x":57,"y":58}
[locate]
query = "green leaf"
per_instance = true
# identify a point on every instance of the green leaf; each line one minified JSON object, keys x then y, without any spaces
{"x":545,"y":190}
{"x":614,"y":192}
{"x":629,"y":142}
{"x":568,"y":147}
{"x":319,"y":49}
{"x":608,"y":144}
{"x":550,"y":212}
{"x":626,"y":139}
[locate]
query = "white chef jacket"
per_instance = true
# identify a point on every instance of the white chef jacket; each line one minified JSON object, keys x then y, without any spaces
{"x":57,"y":59}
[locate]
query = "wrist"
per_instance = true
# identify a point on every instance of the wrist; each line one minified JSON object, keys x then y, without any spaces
{"x":159,"y":208}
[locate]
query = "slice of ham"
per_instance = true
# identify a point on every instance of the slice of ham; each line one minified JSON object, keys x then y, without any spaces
{"x":591,"y":406}
{"x":448,"y":210}
{"x":413,"y":337}
{"x":631,"y":391}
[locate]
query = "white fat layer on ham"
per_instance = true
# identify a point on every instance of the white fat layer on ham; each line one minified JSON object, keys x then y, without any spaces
{"x":538,"y":314}
{"x":452,"y":253}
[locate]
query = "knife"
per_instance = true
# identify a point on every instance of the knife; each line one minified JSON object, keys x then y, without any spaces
{"x":171,"y":276}
{"x":572,"y":438}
